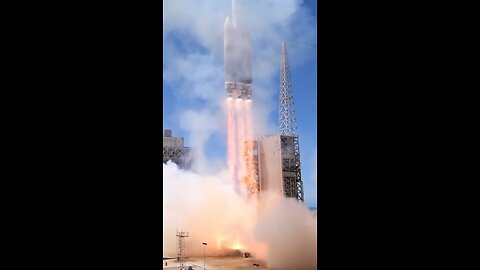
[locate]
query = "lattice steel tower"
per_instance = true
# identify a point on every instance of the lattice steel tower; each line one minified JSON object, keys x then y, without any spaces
{"x":181,"y":249}
{"x":292,"y":178}
{"x":286,"y":118}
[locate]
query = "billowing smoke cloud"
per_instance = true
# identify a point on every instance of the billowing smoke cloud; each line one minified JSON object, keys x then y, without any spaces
{"x":200,"y":124}
{"x":280,"y":231}
{"x":205,"y":206}
{"x":289,"y":232}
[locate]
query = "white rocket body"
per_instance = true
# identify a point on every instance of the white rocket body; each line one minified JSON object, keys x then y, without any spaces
{"x":237,"y":57}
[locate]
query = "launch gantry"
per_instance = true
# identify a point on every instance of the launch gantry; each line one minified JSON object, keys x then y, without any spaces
{"x":292,"y":178}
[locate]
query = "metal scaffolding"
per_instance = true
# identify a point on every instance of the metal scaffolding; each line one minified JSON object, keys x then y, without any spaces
{"x":180,"y":156}
{"x":174,"y":150}
{"x":181,"y":249}
{"x":291,"y":171}
{"x":292,"y":178}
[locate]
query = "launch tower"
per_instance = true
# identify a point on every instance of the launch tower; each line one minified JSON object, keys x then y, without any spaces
{"x":279,"y":155}
{"x":287,"y":126}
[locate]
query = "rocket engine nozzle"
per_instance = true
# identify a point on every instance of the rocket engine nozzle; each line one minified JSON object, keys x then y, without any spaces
{"x":239,"y":90}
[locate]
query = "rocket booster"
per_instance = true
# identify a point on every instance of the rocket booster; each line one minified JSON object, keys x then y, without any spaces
{"x":237,"y":57}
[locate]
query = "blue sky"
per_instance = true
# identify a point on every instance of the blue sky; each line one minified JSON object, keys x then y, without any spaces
{"x":193,"y":73}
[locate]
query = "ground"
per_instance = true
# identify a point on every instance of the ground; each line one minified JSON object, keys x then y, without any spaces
{"x":218,"y":263}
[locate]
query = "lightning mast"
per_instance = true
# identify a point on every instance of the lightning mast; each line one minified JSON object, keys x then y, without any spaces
{"x":293,"y":185}
{"x":286,"y":119}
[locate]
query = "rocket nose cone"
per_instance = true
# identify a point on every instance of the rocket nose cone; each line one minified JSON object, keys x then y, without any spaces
{"x":227,"y":23}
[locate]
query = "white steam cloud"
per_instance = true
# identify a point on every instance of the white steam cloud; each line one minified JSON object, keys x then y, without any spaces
{"x":280,"y":231}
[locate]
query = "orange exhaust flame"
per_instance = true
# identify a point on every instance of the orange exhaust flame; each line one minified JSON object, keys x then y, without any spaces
{"x":231,"y":139}
{"x":240,"y":146}
{"x":237,"y":246}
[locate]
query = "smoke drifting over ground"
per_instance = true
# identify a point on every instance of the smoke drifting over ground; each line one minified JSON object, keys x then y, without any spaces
{"x":278,"y":230}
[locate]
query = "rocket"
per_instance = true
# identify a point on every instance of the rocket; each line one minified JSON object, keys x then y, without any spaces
{"x":237,"y":57}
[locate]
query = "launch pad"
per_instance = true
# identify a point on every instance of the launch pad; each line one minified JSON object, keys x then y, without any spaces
{"x":217,"y":263}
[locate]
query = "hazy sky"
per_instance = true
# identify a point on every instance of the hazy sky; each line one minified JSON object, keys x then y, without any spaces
{"x":193,"y":90}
